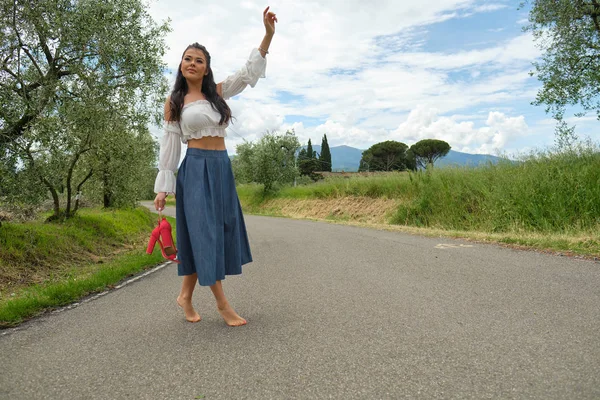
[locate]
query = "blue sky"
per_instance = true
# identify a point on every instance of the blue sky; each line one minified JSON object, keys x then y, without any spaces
{"x":456,"y":70}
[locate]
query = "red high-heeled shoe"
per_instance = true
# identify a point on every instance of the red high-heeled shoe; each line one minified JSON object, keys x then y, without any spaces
{"x":162,"y":235}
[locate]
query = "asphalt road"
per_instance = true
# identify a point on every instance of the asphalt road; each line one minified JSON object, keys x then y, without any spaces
{"x":334,"y":312}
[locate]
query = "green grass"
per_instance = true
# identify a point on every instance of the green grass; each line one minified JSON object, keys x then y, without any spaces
{"x":390,"y":185}
{"x":46,"y":265}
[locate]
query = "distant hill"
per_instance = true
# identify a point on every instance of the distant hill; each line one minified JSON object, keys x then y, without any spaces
{"x":343,"y":158}
{"x":347,"y":158}
{"x":466,"y":159}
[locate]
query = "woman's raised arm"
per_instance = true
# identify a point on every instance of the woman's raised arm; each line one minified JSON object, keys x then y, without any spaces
{"x":255,"y":66}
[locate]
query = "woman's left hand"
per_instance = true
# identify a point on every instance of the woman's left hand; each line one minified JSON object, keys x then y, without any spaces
{"x":269,"y":18}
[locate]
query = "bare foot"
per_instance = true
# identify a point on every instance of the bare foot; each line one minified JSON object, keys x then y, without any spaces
{"x":190,"y":314}
{"x":230,"y":316}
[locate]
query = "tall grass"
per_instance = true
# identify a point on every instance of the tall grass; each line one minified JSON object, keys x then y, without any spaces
{"x":389,"y":185}
{"x":547,"y":192}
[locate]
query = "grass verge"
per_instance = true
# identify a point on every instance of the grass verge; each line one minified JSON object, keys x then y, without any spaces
{"x":48,"y":265}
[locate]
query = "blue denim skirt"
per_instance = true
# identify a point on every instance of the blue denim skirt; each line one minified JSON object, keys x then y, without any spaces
{"x":211,"y":233}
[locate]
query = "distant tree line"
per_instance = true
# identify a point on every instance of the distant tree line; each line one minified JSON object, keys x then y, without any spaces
{"x":272,"y":161}
{"x":397,"y":156}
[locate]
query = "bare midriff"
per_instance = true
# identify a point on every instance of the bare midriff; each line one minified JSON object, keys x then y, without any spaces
{"x":207,"y":143}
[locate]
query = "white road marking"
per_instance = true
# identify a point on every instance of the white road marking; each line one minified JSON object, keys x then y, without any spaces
{"x":451,"y":246}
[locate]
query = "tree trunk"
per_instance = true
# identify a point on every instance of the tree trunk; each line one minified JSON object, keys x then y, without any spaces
{"x":55,"y":198}
{"x":82,"y":149}
{"x":106,"y":187}
{"x":88,"y":176}
{"x":68,"y":210}
{"x":106,"y":200}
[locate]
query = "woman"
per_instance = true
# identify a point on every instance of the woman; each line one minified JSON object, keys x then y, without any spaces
{"x":211,"y":233}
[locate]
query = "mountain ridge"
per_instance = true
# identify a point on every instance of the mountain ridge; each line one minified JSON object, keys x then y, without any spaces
{"x":347,"y":158}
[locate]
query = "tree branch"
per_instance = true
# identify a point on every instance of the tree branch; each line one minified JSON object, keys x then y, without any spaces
{"x":35,"y":64}
{"x":44,"y":46}
{"x":10,"y":54}
{"x":72,"y":168}
{"x":88,"y":176}
{"x":5,"y":68}
{"x":60,"y":74}
{"x":25,"y":49}
{"x":10,"y":134}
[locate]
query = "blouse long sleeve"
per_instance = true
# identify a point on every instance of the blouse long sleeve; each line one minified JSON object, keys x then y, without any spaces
{"x":247,"y":75}
{"x":170,"y":152}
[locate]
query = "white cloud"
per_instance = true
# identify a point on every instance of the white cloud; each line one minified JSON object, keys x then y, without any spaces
{"x":425,"y":123}
{"x":489,"y":7}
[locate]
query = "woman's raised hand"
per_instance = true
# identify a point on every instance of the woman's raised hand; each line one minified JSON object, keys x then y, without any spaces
{"x":269,"y":18}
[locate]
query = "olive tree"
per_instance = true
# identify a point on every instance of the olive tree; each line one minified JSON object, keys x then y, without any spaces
{"x":269,"y":161}
{"x":68,"y":68}
{"x":568,"y":33}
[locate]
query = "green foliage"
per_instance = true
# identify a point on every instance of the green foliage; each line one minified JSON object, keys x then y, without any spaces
{"x":310,"y":153}
{"x":428,"y":151}
{"x":384,"y":156}
{"x":325,"y":156}
{"x":308,"y":166}
{"x":568,"y":33}
{"x":411,"y":160}
{"x":309,"y":161}
{"x":124,"y":167}
{"x":18,"y":187}
{"x":302,"y":155}
{"x":270,"y":161}
{"x":75,"y":72}
{"x":305,"y":180}
{"x":241,"y":163}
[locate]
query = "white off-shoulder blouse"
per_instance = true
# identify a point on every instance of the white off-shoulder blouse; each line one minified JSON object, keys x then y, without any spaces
{"x":198,"y":119}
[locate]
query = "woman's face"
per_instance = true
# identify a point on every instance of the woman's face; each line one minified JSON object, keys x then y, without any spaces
{"x":193,"y":65}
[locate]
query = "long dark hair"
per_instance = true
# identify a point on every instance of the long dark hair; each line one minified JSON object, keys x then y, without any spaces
{"x":209,"y":89}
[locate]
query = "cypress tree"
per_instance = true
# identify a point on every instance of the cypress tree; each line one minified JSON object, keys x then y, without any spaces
{"x":325,"y":156}
{"x":309,"y":150}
